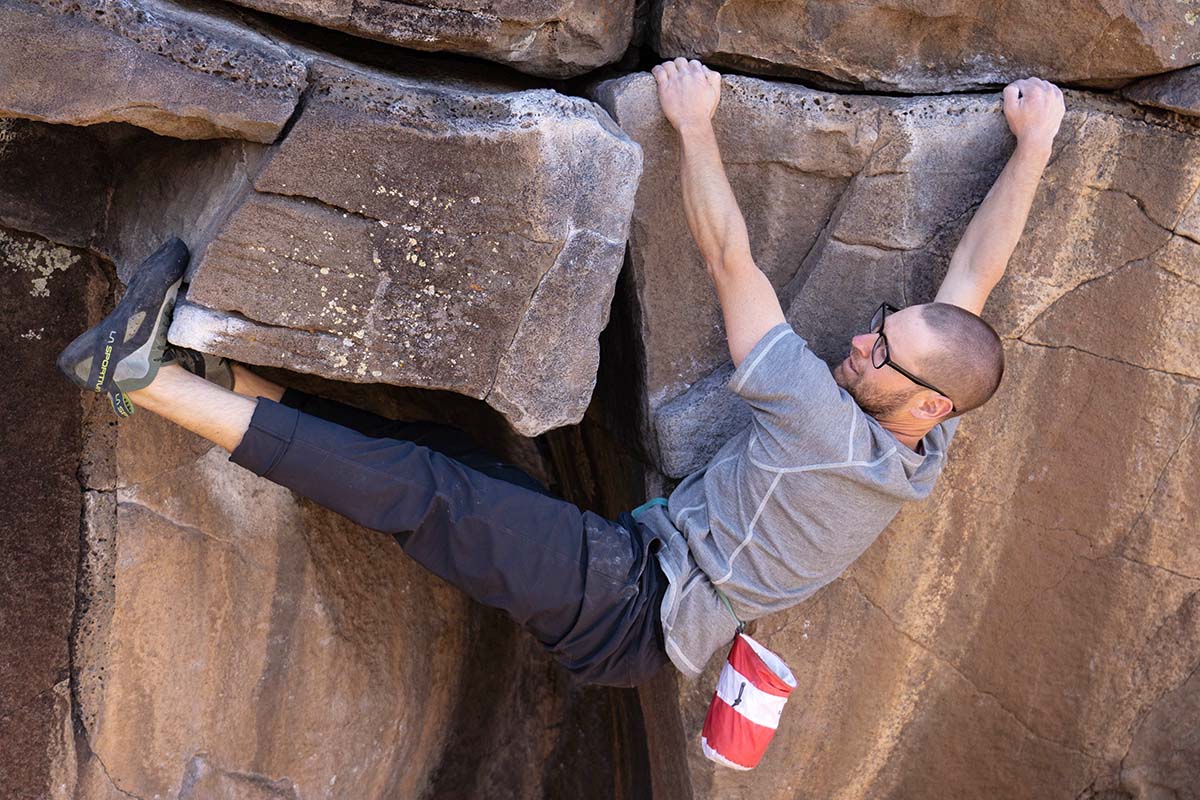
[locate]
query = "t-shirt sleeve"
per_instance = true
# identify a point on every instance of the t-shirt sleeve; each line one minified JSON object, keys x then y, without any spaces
{"x":799,"y":411}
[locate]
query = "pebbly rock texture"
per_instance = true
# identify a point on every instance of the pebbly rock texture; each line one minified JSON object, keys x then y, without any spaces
{"x":551,"y":38}
{"x":177,"y":70}
{"x":1038,"y":612}
{"x":428,"y":235}
{"x":934,"y":45}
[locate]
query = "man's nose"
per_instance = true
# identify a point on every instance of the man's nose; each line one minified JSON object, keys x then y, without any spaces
{"x":863,"y":343}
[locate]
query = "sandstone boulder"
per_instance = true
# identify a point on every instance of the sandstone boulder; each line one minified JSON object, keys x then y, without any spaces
{"x":1038,"y":611}
{"x":933,"y":45}
{"x":425,"y":234}
{"x":551,"y":38}
{"x":179,"y":71}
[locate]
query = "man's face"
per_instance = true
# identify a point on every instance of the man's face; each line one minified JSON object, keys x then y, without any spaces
{"x":884,"y":393}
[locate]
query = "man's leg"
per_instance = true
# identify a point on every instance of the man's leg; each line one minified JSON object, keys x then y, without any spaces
{"x":219,"y":415}
{"x":584,"y":586}
{"x":445,"y":439}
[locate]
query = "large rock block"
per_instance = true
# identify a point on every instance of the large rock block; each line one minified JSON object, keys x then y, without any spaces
{"x":176,"y":70}
{"x":1058,"y":543}
{"x":934,"y":45}
{"x":425,"y":234}
{"x":551,"y":38}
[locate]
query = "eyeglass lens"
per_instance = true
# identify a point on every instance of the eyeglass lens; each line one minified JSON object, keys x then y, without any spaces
{"x":879,"y":352}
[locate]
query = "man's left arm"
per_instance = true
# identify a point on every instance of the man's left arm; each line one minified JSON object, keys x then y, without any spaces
{"x":1034,"y":109}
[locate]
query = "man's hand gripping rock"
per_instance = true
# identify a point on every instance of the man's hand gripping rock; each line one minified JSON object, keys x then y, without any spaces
{"x":688,"y":92}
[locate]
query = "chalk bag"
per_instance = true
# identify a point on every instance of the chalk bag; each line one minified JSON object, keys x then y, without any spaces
{"x":745,"y":710}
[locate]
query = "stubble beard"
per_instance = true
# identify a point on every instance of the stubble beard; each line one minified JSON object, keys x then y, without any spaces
{"x":878,"y":404}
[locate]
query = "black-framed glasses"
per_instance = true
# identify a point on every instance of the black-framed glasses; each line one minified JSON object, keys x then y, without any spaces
{"x":881,"y":356}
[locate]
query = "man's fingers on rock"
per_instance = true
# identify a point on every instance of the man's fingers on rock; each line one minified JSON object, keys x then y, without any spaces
{"x":680,"y":62}
{"x":1011,"y":93}
{"x":670,"y":69}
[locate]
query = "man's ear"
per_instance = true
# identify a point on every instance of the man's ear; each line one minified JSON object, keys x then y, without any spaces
{"x":932,"y":407}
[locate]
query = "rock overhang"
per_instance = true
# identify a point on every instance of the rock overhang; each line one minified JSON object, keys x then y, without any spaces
{"x":428,"y":234}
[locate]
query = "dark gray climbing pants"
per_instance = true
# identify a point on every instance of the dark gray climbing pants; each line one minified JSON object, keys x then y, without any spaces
{"x":588,"y":588}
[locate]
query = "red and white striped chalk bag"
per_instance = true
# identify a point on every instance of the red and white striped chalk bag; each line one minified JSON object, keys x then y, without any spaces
{"x":745,"y":710}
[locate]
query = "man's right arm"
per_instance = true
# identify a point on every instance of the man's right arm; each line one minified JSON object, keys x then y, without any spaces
{"x":1034,"y":109}
{"x":689,"y":93}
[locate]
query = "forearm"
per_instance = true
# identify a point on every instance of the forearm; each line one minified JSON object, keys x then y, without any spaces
{"x":712,"y":211}
{"x":992,"y":236}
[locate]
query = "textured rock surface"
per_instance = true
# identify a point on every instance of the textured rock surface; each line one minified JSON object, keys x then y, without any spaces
{"x":311,"y":631}
{"x":1175,"y":91}
{"x":56,"y":181}
{"x":552,"y":38}
{"x":177,"y":71}
{"x":935,"y":45}
{"x":1037,"y":612}
{"x":460,"y":239}
{"x":44,"y":291}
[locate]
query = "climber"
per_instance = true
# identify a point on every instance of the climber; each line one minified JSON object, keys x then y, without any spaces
{"x":783,"y":508}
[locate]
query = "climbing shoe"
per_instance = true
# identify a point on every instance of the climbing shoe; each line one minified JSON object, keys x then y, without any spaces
{"x":123,"y":353}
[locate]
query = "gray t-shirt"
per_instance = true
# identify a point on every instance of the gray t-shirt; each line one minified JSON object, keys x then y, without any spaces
{"x":786,"y":505}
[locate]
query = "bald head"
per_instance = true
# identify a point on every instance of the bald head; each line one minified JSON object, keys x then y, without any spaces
{"x":966,"y":359}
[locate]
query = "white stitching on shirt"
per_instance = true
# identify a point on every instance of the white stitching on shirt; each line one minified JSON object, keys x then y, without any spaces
{"x":679,"y":654}
{"x":750,"y":532}
{"x":850,"y":438}
{"x":817,"y":467}
{"x":760,"y":357}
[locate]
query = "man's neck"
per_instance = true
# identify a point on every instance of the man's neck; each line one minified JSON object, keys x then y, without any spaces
{"x":908,"y":432}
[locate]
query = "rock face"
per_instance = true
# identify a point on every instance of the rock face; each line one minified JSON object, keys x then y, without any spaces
{"x":44,"y":292}
{"x":392,"y":263}
{"x":309,"y":634}
{"x":180,"y":72}
{"x":1175,"y":91}
{"x":934,"y":45}
{"x":1056,"y":544}
{"x":551,"y":38}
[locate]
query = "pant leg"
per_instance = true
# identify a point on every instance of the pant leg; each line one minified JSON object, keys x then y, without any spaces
{"x":445,"y":439}
{"x":506,"y":546}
